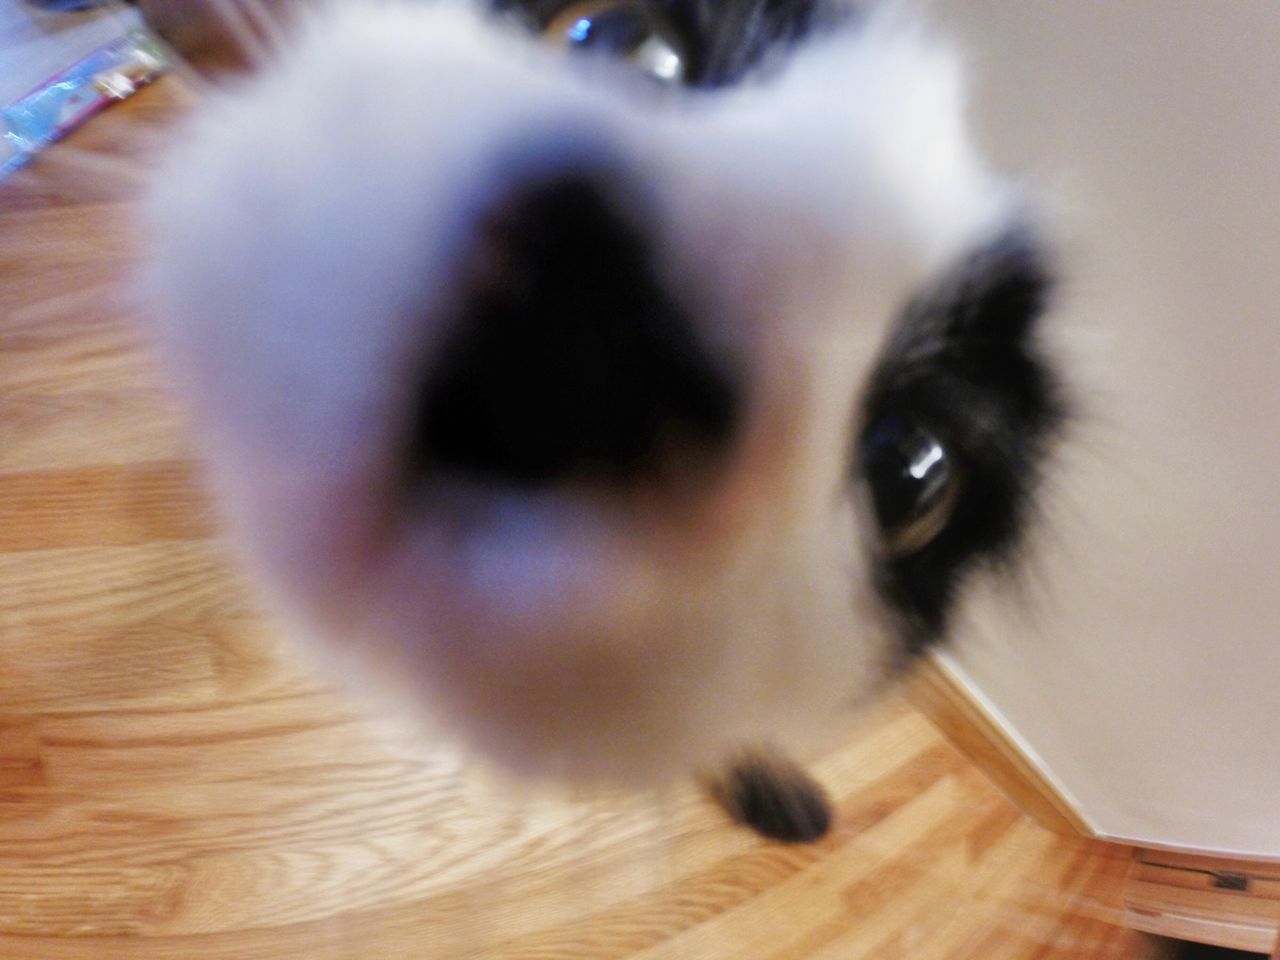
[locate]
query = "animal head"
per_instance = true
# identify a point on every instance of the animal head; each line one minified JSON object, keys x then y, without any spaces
{"x":627,"y":382}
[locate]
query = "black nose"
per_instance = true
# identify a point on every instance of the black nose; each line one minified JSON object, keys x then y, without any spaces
{"x":569,"y":360}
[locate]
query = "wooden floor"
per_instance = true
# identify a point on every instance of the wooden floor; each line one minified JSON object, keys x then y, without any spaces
{"x":174,"y":785}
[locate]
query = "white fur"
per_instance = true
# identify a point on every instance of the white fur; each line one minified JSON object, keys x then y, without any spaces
{"x":307,"y":233}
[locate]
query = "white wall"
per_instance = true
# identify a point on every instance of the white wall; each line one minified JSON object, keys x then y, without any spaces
{"x":1146,"y":674}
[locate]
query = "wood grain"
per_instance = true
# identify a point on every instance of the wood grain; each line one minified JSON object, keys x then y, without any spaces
{"x":175,"y":784}
{"x":1220,"y":900}
{"x":938,"y":693}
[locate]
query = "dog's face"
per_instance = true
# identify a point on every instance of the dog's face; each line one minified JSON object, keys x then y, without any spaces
{"x":626,"y":381}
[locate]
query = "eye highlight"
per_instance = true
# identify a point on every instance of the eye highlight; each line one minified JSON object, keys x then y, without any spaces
{"x":629,"y":30}
{"x":914,"y":482}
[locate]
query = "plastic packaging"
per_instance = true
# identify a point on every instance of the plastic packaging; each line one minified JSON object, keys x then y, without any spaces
{"x":69,"y":98}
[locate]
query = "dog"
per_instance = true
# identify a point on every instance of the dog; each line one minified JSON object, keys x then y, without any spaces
{"x":631,"y":385}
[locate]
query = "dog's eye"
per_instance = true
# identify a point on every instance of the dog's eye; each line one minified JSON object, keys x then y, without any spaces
{"x":914,"y":482}
{"x":627,"y":29}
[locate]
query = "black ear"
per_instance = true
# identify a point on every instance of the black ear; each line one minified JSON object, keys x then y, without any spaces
{"x":999,"y":293}
{"x":733,"y":37}
{"x":990,"y":310}
{"x":975,"y":329}
{"x":980,"y":317}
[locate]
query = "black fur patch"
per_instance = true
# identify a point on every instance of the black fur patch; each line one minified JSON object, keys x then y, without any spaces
{"x":729,"y":38}
{"x":775,"y":798}
{"x":723,"y":39}
{"x":569,"y":361}
{"x":964,"y":364}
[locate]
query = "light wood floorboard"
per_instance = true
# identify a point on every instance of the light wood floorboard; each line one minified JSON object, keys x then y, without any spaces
{"x":174,"y":784}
